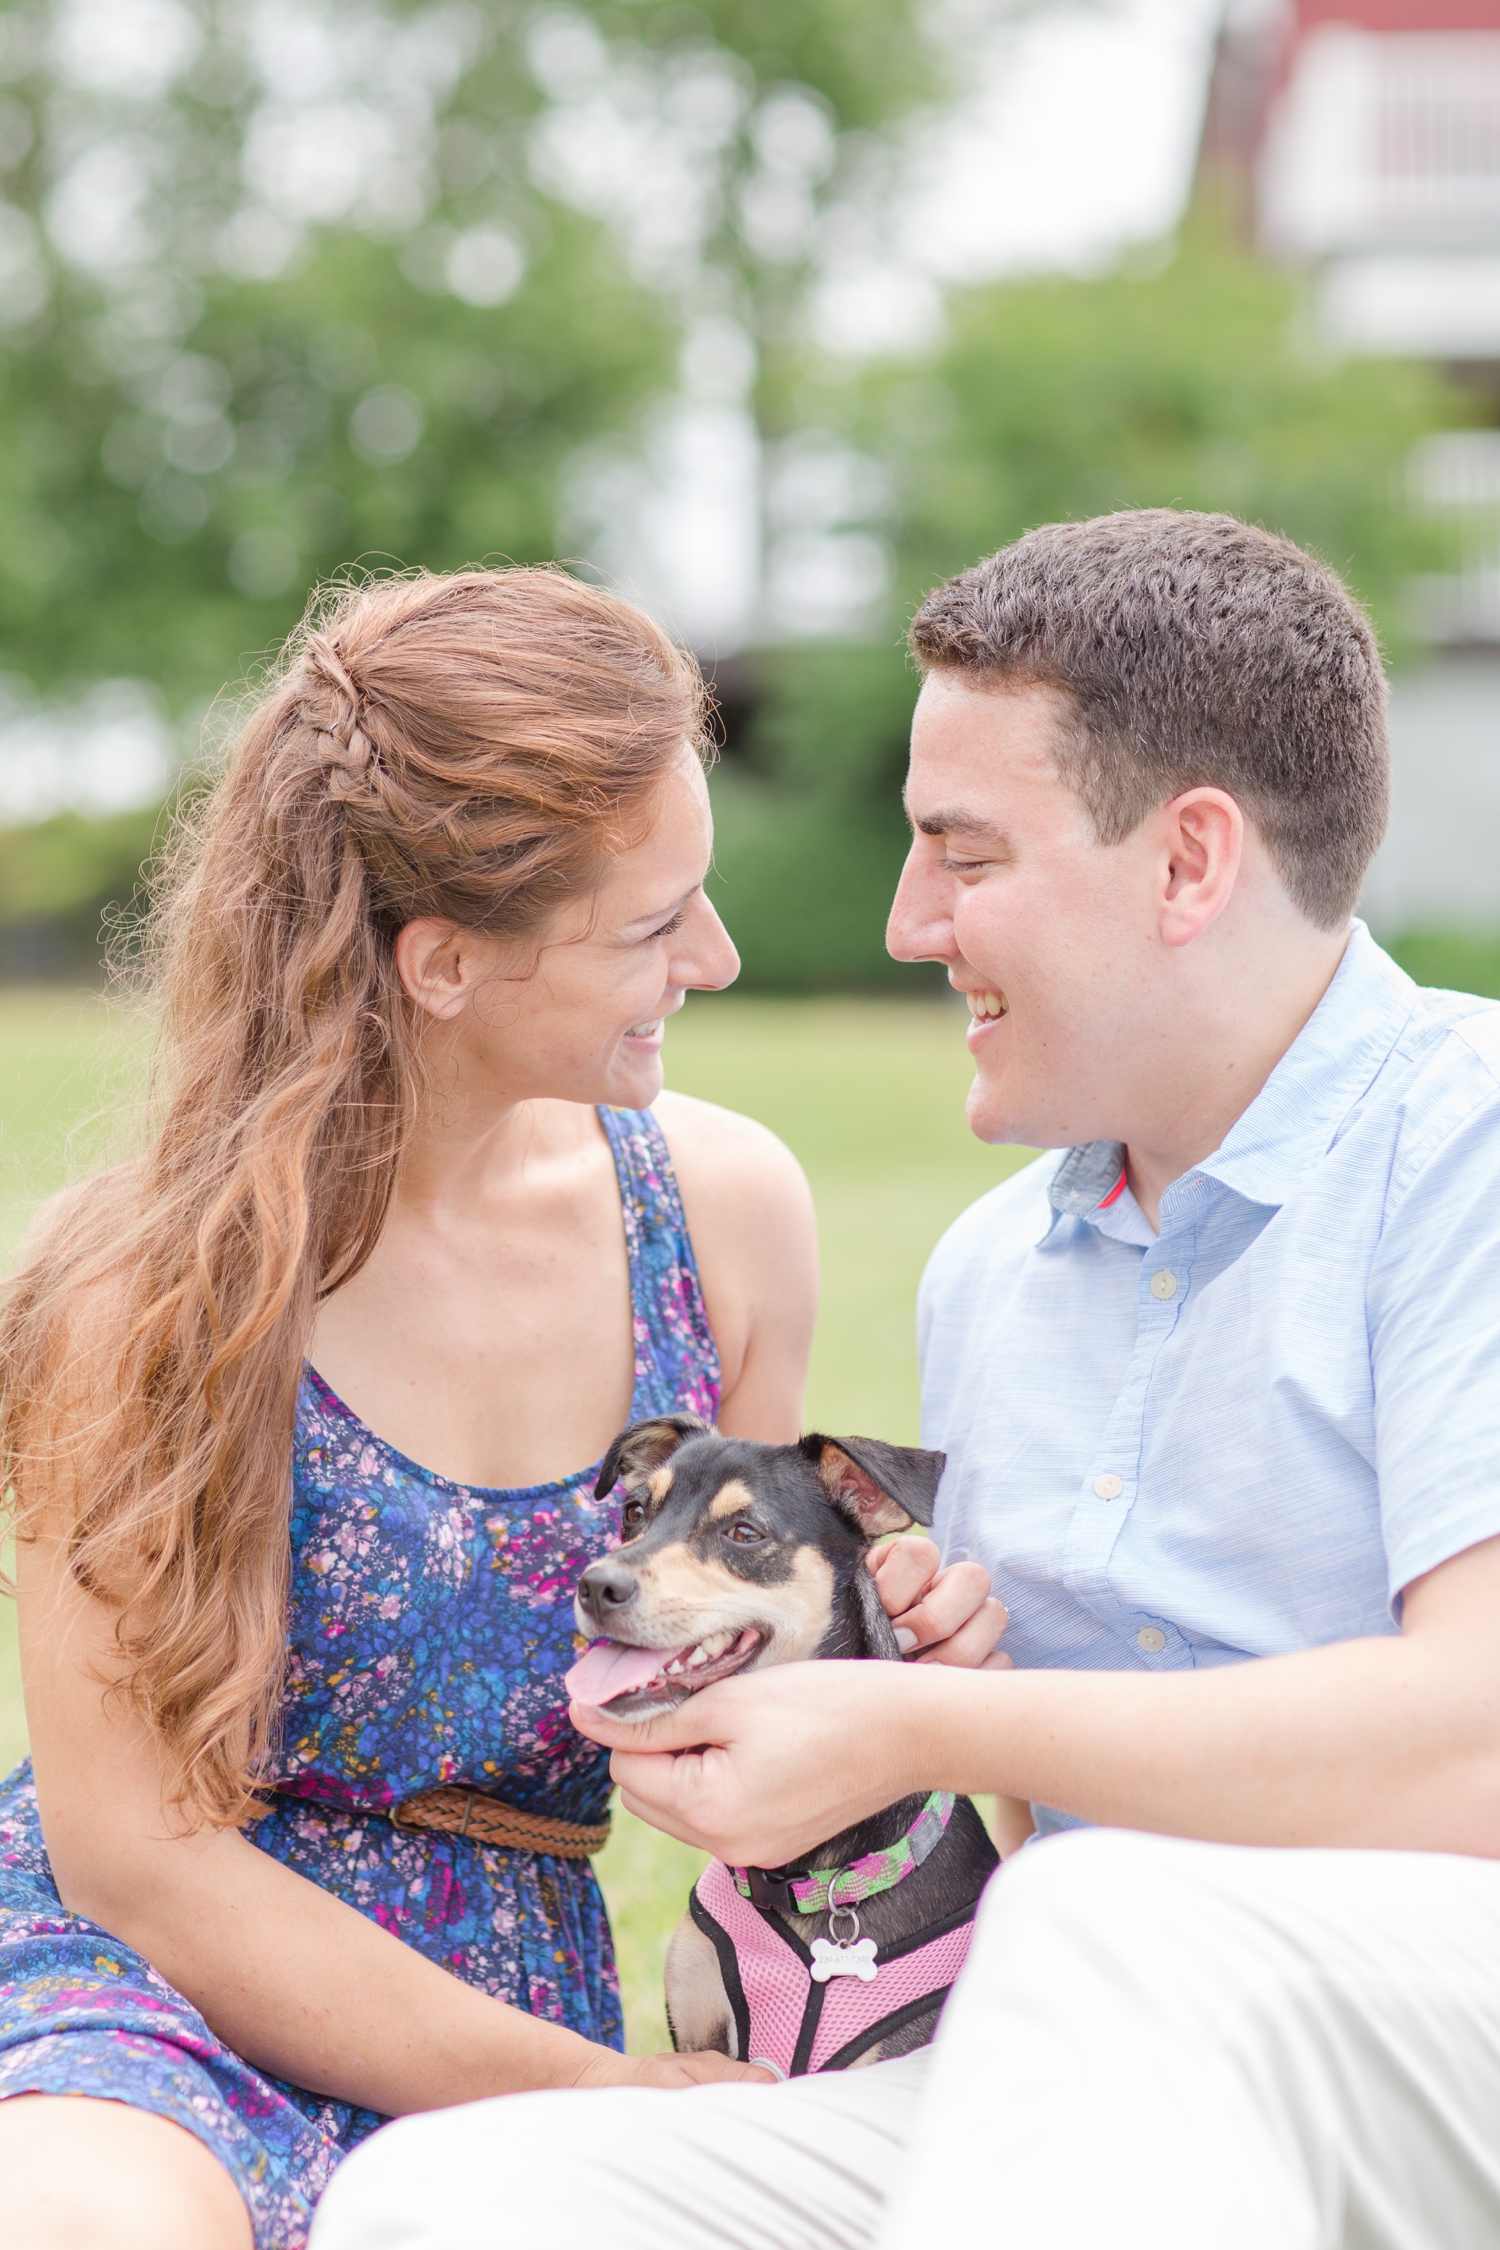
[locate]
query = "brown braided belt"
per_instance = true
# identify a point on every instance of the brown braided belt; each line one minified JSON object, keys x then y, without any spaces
{"x":457,"y":1811}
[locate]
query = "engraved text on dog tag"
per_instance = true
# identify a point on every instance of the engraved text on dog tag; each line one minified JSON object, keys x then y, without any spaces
{"x":830,"y":1960}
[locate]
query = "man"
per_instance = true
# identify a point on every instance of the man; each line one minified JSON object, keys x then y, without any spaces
{"x":1216,"y":1380}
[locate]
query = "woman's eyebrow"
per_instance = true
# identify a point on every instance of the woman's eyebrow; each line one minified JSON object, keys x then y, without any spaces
{"x":661,"y":913}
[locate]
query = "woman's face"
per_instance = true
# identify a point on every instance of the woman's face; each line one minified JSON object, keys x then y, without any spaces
{"x":582,"y":1019}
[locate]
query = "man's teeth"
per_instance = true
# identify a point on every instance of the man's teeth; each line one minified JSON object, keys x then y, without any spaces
{"x":644,"y":1030}
{"x":985,"y":1004}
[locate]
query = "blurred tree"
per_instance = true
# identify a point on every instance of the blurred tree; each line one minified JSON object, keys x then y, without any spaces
{"x":60,"y":879}
{"x":289,"y":284}
{"x":807,"y":807}
{"x":168,"y":522}
{"x":282,"y":286}
{"x":1187,"y":386}
{"x":1195,"y":385}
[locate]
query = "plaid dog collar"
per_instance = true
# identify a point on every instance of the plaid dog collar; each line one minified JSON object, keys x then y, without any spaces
{"x":812,"y":1891}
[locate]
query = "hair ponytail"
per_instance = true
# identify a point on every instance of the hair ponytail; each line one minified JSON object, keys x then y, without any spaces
{"x":471,"y":747}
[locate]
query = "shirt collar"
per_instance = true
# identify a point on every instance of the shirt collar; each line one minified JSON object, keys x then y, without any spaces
{"x":1295,"y":1117}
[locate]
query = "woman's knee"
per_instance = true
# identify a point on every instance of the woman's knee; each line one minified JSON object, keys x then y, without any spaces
{"x":81,"y":2174}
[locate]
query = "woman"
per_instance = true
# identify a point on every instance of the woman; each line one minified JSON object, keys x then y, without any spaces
{"x":410,"y":1230}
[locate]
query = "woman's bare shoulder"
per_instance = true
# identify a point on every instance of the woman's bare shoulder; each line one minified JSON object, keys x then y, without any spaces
{"x":749,"y":1212}
{"x":720,"y":1151}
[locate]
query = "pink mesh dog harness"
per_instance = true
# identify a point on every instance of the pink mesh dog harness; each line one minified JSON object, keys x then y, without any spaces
{"x":782,"y":2016}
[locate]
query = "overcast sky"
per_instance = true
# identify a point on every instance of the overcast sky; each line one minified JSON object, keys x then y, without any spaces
{"x":1080,"y":138}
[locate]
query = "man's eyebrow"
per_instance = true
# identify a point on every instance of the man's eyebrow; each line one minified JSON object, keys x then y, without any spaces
{"x":954,"y":820}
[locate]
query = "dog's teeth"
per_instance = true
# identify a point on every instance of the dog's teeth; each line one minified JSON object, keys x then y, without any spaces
{"x":694,"y":1658}
{"x":674,"y":1666}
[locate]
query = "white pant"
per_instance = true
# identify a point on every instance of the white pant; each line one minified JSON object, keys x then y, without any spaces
{"x":1155,"y":2045}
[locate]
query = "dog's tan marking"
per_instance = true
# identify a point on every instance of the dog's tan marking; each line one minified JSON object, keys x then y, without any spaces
{"x":729,"y":1500}
{"x":684,"y":1598}
{"x":698,"y":2010}
{"x":659,"y":1484}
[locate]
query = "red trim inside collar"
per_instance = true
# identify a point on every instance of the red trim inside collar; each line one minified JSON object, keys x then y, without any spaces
{"x":1115,"y":1192}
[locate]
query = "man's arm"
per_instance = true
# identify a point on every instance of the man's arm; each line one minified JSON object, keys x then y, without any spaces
{"x":1392,"y":1742}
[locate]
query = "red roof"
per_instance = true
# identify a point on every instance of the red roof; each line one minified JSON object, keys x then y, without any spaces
{"x":1403,"y":15}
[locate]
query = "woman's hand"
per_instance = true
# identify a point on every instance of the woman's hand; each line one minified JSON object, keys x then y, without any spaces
{"x":947,"y":1616}
{"x":669,"y":2073}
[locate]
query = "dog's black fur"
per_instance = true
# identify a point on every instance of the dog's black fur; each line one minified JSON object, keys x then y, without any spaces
{"x":726,"y":1536}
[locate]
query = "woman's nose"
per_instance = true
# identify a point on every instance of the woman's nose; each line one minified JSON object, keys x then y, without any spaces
{"x":712,"y":961}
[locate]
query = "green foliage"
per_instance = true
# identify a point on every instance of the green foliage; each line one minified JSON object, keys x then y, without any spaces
{"x":808,"y":824}
{"x":62,"y":883}
{"x":867,"y":59}
{"x":1191,"y":387}
{"x":1052,"y":399}
{"x":137,"y":572}
{"x":1452,"y":960}
{"x":181,"y":452}
{"x":181,"y":460}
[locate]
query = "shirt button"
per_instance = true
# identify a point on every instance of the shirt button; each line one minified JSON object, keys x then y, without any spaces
{"x":1152,"y":1639}
{"x":1164,"y":1283}
{"x":1108,"y":1488}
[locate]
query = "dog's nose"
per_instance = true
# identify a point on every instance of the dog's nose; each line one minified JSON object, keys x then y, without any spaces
{"x":604,"y":1590}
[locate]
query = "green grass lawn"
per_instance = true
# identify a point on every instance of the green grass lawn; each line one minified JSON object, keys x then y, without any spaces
{"x":868,"y":1093}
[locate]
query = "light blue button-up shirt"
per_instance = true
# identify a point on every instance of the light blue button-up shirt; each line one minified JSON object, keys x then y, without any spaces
{"x":1245,"y":1435}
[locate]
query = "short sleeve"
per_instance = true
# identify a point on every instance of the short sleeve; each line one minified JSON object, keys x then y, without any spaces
{"x":1434,"y":1311}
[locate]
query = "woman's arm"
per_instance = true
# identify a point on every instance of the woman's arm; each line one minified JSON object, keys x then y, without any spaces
{"x":302,"y":1985}
{"x":750,"y":1215}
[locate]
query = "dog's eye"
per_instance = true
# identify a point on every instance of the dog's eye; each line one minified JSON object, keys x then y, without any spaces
{"x":745,"y":1535}
{"x":633,"y":1517}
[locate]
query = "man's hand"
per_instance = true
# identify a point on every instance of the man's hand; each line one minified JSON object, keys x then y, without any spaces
{"x":948,"y":1615}
{"x":1391,"y":1742}
{"x":757,"y":1769}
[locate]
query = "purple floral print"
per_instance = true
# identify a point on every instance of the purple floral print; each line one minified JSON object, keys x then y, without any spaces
{"x":430,"y":1626}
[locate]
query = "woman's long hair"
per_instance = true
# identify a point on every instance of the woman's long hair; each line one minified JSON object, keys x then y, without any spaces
{"x":473,"y":747}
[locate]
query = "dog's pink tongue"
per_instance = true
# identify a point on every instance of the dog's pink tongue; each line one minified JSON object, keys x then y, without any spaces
{"x":609,"y":1669}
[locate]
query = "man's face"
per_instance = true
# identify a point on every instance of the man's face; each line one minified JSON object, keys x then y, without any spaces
{"x":1052,"y":936}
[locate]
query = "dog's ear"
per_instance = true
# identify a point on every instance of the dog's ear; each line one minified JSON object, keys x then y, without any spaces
{"x":876,"y":1487}
{"x":644,"y":1447}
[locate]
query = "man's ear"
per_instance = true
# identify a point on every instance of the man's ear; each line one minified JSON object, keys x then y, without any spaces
{"x":876,"y":1487}
{"x":644,"y":1447}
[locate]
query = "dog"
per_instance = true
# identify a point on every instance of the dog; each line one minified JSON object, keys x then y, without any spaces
{"x":736,"y":1556}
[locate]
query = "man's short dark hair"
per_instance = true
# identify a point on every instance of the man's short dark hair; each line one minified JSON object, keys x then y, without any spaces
{"x":1193,"y":651}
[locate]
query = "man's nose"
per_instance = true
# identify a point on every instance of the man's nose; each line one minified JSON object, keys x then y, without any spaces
{"x":605,"y":1589}
{"x":920,"y":926}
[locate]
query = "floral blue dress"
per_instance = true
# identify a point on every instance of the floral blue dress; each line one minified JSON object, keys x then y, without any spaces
{"x":431,"y":1624}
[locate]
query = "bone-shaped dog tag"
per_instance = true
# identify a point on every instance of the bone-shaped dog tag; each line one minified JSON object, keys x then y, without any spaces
{"x":829,"y":1960}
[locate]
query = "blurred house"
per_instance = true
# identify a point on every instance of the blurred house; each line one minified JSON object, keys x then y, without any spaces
{"x":1361,"y":138}
{"x":1380,"y":160}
